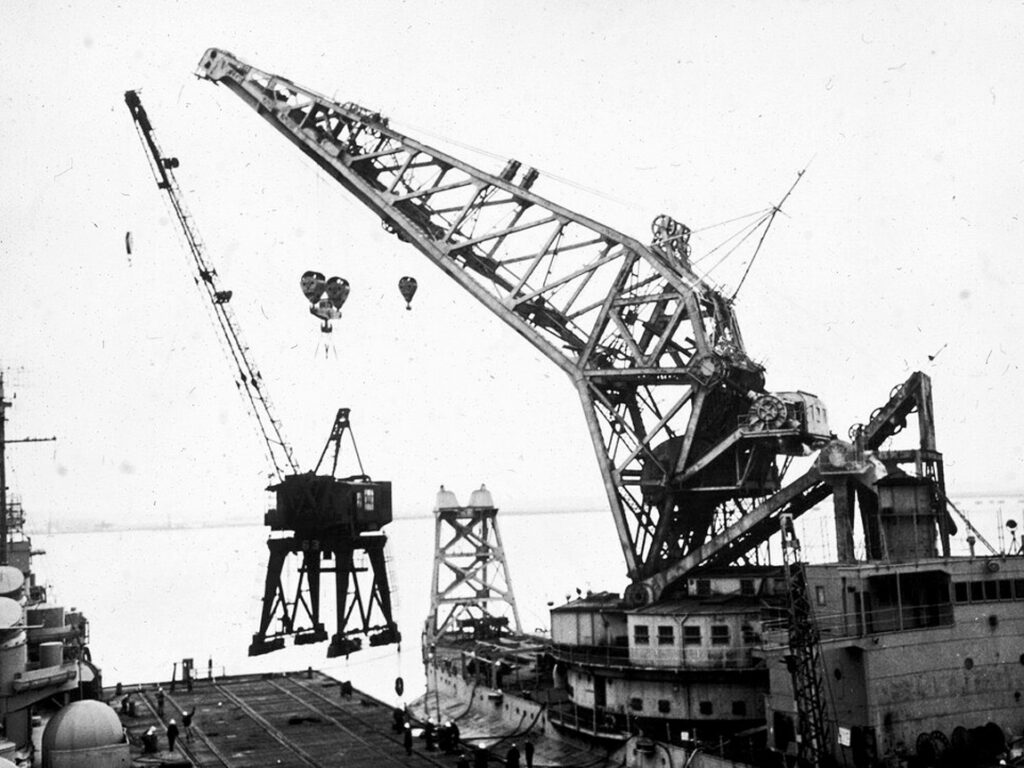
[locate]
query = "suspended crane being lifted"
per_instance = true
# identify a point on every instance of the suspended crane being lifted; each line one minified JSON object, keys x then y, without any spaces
{"x":330,"y":518}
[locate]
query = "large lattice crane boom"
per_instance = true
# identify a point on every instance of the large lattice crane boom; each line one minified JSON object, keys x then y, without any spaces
{"x":249,"y":379}
{"x":654,"y":352}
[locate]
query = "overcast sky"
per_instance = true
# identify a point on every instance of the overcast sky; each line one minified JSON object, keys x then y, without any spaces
{"x":901,"y":243}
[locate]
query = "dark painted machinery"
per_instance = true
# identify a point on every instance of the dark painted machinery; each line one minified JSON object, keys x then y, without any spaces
{"x":329,"y":518}
{"x":337,"y":519}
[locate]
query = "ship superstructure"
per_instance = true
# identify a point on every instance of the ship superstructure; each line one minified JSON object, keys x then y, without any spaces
{"x":45,"y":662}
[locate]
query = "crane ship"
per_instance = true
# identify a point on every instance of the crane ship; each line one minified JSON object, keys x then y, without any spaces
{"x":711,"y":654}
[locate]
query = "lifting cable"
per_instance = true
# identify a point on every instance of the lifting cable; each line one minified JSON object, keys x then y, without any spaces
{"x":775,"y":211}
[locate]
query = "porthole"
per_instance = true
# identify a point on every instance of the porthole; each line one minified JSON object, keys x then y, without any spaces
{"x":968,"y":663}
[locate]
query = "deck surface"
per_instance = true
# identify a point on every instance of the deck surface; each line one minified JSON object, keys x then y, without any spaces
{"x":249,"y":721}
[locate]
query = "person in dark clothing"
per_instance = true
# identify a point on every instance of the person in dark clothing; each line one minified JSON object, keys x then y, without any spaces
{"x":528,"y":753}
{"x":479,"y":758}
{"x":512,"y":757}
{"x":397,"y":719}
{"x":160,"y":701}
{"x":172,"y":735}
{"x":463,"y":761}
{"x":186,"y":722}
{"x":407,"y":739}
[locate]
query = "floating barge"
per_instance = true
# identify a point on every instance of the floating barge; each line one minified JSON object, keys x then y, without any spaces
{"x":291,"y":720}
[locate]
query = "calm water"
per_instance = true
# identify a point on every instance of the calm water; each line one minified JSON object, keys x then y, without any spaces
{"x":155,"y":597}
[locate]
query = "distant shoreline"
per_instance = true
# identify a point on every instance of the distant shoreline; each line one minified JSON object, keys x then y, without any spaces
{"x":90,"y":526}
{"x":94,"y":526}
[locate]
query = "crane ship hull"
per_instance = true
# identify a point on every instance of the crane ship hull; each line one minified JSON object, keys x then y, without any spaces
{"x":923,"y":659}
{"x":909,"y":652}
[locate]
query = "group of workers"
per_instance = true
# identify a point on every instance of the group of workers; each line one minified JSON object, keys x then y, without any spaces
{"x":150,"y":739}
{"x":446,"y":738}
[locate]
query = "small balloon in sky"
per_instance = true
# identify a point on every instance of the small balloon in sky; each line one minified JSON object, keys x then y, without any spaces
{"x":407,"y":286}
{"x":312,"y":284}
{"x":337,"y":291}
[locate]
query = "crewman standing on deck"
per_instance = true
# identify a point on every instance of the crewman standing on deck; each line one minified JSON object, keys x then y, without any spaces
{"x":160,"y":700}
{"x":407,"y":739}
{"x":186,"y":721}
{"x":172,"y":735}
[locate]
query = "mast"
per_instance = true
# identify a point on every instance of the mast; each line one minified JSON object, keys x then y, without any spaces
{"x":4,"y":405}
{"x":4,"y":527}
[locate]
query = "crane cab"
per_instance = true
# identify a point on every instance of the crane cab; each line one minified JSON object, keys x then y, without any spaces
{"x":317,"y":504}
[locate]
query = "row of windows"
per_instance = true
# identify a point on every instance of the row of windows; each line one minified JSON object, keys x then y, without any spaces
{"x":986,"y":591}
{"x":739,"y":708}
{"x":704,"y":587}
{"x":691,"y":634}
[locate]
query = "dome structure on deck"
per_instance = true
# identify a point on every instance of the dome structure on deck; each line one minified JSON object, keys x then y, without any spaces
{"x":84,"y":728}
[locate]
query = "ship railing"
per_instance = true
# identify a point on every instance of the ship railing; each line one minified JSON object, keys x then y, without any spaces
{"x":611,"y":655}
{"x":840,"y":626}
{"x":596,"y":721}
{"x":714,"y":658}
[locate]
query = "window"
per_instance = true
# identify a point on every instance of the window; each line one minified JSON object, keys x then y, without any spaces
{"x":691,"y":635}
{"x":706,"y":708}
{"x":1005,"y":590}
{"x":977,"y":591}
{"x":719,"y":634}
{"x":1018,"y":588}
{"x":739,"y":708}
{"x":703,"y":587}
{"x":641,"y":635}
{"x":666,"y":635}
{"x":636,"y":704}
{"x":749,"y":635}
{"x":991,"y":590}
{"x":664,"y":706}
{"x":819,"y":594}
{"x":960,"y":591}
{"x":746,"y":586}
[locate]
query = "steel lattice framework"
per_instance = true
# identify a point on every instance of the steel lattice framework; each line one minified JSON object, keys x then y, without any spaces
{"x":654,"y":352}
{"x":804,"y":655}
{"x":249,"y":380}
{"x":471,"y":590}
